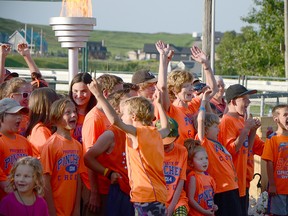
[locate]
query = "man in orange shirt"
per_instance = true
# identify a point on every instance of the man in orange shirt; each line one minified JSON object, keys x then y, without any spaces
{"x":237,"y":134}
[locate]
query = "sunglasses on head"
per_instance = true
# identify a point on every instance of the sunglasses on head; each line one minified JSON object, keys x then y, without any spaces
{"x":24,"y":94}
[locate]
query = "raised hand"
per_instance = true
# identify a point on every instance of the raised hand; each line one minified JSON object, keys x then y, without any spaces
{"x":164,"y":49}
{"x":23,"y":49}
{"x":5,"y":49}
{"x":198,"y":55}
{"x":95,"y":88}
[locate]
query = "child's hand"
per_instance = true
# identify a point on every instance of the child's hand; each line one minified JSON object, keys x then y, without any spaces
{"x":23,"y":49}
{"x":95,"y":88}
{"x":198,"y":55}
{"x":214,"y":208}
{"x":206,"y":93}
{"x":209,"y":212}
{"x":5,"y":49}
{"x":163,"y":49}
{"x":272,"y":190}
{"x":114,"y":177}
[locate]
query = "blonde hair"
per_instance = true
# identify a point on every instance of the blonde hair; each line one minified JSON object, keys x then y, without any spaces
{"x":210,"y":119}
{"x":108,"y":82}
{"x":58,"y":109}
{"x":37,"y":173}
{"x":141,"y":107}
{"x":275,"y":110}
{"x":175,"y":81}
{"x":193,"y":146}
{"x":115,"y":98}
{"x":13,"y":85}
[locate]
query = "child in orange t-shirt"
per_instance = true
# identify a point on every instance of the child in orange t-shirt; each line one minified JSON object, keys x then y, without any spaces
{"x":275,"y":154}
{"x":39,"y":128}
{"x":223,"y":171}
{"x":62,"y":162}
{"x":144,"y":149}
{"x":12,"y":145}
{"x":177,"y":88}
{"x":237,"y":134}
{"x":175,"y":165}
{"x":200,"y":186}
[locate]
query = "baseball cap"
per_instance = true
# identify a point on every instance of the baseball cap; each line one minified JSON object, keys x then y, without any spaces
{"x":237,"y":90}
{"x":9,"y":74}
{"x":173,"y":135}
{"x":9,"y":105}
{"x":195,"y":78}
{"x":142,"y":76}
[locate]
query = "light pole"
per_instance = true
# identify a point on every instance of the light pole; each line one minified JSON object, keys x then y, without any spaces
{"x":212,"y":59}
{"x":286,"y":37}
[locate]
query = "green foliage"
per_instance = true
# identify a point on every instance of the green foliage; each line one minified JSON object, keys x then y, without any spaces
{"x":257,"y":50}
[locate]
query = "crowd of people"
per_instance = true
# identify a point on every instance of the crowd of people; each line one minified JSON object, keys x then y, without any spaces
{"x":166,"y":145}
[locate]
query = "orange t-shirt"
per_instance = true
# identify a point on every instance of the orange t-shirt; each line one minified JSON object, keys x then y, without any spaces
{"x":258,"y":150}
{"x":220,"y":167}
{"x":95,"y":123}
{"x":23,"y":124}
{"x":276,"y":150}
{"x":116,"y":159}
{"x":145,"y":166}
{"x":185,"y":119}
{"x":204,"y":193}
{"x":230,"y":128}
{"x":39,"y":135}
{"x":77,"y":132}
{"x":10,"y":151}
{"x":175,"y":165}
{"x":62,"y":159}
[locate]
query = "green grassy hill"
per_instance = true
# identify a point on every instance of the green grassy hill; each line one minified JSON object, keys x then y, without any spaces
{"x":117,"y":43}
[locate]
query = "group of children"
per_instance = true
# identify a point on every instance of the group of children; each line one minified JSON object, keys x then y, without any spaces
{"x":161,"y":152}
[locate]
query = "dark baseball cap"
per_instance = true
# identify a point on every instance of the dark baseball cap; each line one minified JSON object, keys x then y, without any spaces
{"x":237,"y":90}
{"x":142,"y":76}
{"x":9,"y":74}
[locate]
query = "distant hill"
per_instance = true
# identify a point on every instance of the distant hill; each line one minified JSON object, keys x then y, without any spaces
{"x":117,"y":43}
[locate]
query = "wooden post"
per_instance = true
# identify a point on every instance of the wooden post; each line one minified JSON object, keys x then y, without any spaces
{"x":206,"y":35}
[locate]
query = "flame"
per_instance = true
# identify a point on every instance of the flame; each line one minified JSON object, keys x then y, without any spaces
{"x":76,"y":8}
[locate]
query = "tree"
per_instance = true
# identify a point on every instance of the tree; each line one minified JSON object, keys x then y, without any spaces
{"x":259,"y":48}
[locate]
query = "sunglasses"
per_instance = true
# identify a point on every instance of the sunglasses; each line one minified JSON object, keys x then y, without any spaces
{"x":24,"y":94}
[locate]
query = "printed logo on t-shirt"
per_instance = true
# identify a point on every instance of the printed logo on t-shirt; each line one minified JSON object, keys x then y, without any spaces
{"x":171,"y":171}
{"x":207,"y":196}
{"x":78,"y":133}
{"x":11,"y":159}
{"x":69,"y":162}
{"x":282,"y":162}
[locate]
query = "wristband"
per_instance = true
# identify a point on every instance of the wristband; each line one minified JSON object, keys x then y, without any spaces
{"x":202,"y":108}
{"x":105,"y":171}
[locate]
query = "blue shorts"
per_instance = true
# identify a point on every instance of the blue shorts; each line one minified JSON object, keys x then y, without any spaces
{"x":118,"y":203}
{"x":279,"y":204}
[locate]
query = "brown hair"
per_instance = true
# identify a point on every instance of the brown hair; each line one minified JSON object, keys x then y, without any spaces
{"x":57,"y":109}
{"x":193,"y":146}
{"x":108,"y":82}
{"x":13,"y":86}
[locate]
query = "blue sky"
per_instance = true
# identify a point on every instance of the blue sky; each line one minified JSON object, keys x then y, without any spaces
{"x":147,"y":16}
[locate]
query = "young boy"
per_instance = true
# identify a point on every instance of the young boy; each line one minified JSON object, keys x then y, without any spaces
{"x":238,"y":134}
{"x":144,"y":149}
{"x":175,"y":165}
{"x":275,"y":154}
{"x":62,"y":161}
{"x":221,"y":166}
{"x":12,"y":145}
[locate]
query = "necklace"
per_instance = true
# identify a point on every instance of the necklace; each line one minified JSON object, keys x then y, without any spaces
{"x":26,"y":206}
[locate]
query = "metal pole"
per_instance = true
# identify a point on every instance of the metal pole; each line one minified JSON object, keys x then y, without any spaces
{"x":73,"y":63}
{"x":213,"y":37}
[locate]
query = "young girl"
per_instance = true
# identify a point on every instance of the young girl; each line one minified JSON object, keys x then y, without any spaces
{"x":62,"y":162}
{"x":200,"y":186}
{"x":19,"y":90}
{"x":83,"y":100}
{"x":39,"y":128}
{"x":26,"y":181}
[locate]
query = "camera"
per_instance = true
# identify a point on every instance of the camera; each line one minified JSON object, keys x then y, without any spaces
{"x":198,"y":86}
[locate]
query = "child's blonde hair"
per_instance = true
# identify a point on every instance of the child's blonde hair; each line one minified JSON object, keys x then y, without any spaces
{"x":37,"y":173}
{"x":58,"y":109}
{"x":115,"y":98}
{"x":210,"y":119}
{"x":175,"y":81}
{"x":277,"y":107}
{"x":141,"y":107}
{"x":108,"y":82}
{"x":193,"y":146}
{"x":13,"y":85}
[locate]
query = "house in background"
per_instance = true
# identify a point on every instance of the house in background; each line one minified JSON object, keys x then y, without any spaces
{"x":97,"y":49}
{"x":35,"y":41}
{"x":4,"y":37}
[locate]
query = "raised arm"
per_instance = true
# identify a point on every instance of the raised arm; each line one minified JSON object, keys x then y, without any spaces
{"x":4,"y":51}
{"x":108,"y":109}
{"x":199,"y":56}
{"x":164,"y":57}
{"x":24,"y":51}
